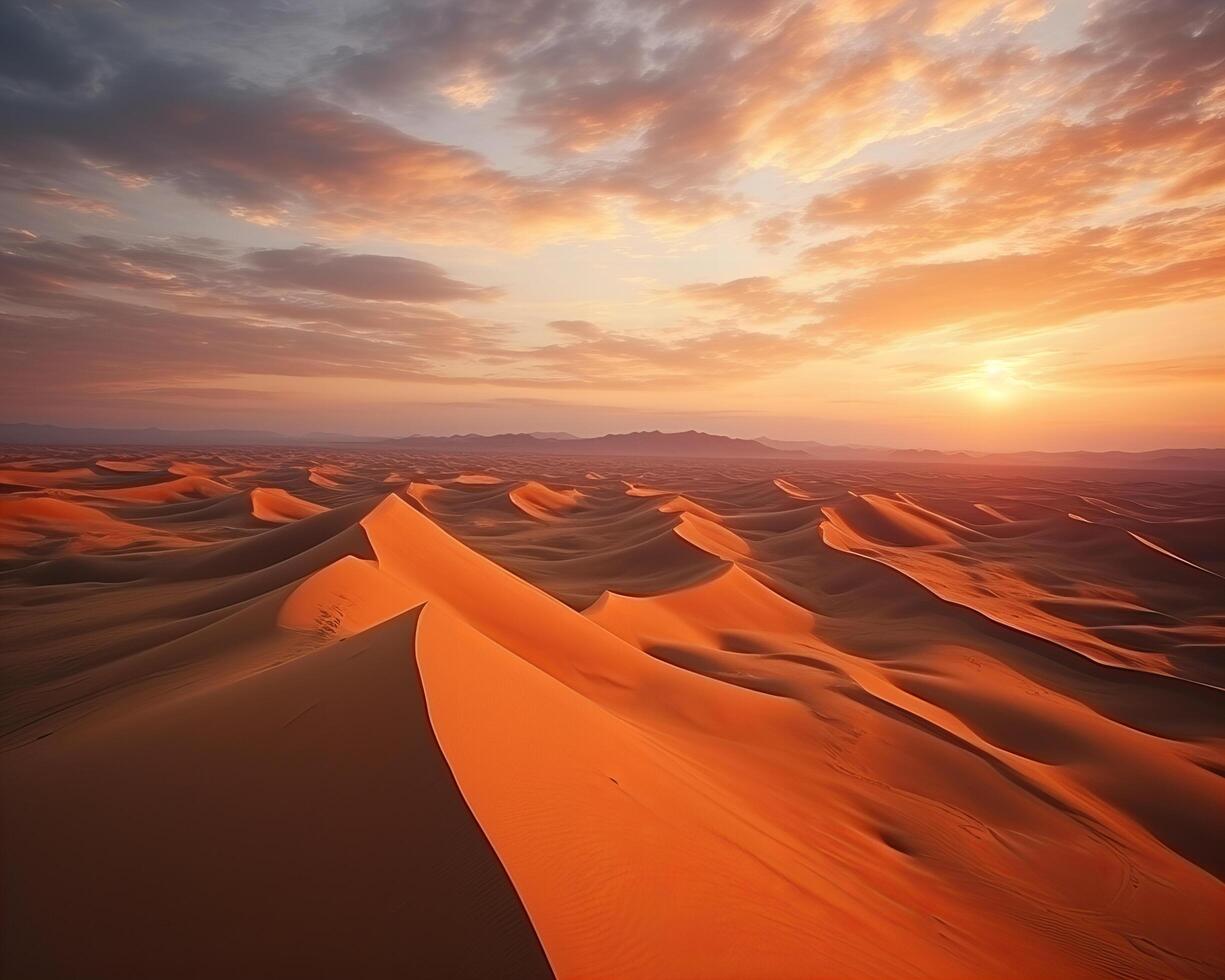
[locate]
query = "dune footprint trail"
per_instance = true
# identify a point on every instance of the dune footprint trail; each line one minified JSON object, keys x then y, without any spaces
{"x":280,"y":714}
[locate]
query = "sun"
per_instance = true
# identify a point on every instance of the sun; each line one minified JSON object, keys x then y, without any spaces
{"x":995,"y":381}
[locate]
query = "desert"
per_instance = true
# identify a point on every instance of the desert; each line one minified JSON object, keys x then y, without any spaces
{"x":278,"y":712}
{"x":612,"y":489}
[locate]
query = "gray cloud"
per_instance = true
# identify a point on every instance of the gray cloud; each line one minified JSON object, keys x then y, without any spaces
{"x":385,"y":277}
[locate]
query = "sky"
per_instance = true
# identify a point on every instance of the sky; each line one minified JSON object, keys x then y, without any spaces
{"x":949,"y":224}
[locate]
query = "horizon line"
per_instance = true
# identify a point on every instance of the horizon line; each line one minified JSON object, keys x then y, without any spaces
{"x":319,"y":438}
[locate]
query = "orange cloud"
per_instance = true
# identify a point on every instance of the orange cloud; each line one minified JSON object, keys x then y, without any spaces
{"x":1153,"y":261}
{"x":1157,"y":259}
{"x":773,"y":232}
{"x":1131,"y":374}
{"x":57,"y":197}
{"x":761,"y":298}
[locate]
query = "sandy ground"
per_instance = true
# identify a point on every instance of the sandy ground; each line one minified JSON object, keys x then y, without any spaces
{"x":269,"y":713}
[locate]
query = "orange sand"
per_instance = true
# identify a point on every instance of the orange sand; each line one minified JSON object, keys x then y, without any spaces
{"x":279,"y":715}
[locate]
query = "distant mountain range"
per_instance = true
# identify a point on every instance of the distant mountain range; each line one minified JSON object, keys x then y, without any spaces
{"x":654,"y":443}
{"x":691,"y":443}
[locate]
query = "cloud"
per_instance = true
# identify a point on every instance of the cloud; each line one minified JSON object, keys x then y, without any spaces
{"x":976,"y":178}
{"x":32,"y":52}
{"x":57,"y":197}
{"x":873,"y":198}
{"x":1174,"y":371}
{"x":112,"y":319}
{"x":660,"y":108}
{"x":1065,"y":175}
{"x":99,"y":312}
{"x":578,"y":329}
{"x":261,"y":152}
{"x":387,"y":277}
{"x":616,"y":359}
{"x":666,"y":103}
{"x":774,"y":232}
{"x":760,"y":298}
{"x":277,"y":154}
{"x":1159,"y":259}
{"x":1136,"y":111}
{"x":1103,"y":198}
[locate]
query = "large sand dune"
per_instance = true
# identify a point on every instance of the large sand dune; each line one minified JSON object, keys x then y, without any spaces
{"x":274,"y":713}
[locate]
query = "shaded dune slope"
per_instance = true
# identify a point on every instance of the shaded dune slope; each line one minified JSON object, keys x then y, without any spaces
{"x":282,"y":819}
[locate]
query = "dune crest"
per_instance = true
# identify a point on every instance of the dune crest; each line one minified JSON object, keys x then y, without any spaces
{"x":791,"y":490}
{"x":637,"y":490}
{"x":683,"y":505}
{"x":711,"y":536}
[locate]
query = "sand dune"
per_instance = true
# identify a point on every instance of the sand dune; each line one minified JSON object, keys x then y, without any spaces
{"x":35,"y":524}
{"x":163,"y":492}
{"x":277,"y":506}
{"x":544,"y":503}
{"x":25,"y":477}
{"x":126,"y":465}
{"x":278,"y":710}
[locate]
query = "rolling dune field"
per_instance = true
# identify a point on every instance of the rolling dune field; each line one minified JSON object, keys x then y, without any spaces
{"x":296,"y":713}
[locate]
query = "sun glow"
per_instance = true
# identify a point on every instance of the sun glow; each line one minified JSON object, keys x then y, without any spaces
{"x":995,"y":381}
